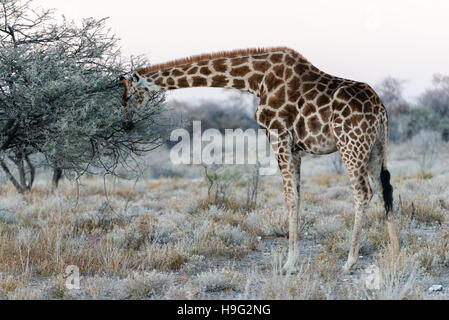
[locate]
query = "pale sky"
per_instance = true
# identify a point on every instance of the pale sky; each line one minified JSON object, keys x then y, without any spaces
{"x":359,"y":40}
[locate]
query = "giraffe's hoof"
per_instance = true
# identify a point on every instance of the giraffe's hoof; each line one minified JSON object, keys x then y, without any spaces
{"x":286,"y":271}
{"x":288,"y":268}
{"x":347,"y":269}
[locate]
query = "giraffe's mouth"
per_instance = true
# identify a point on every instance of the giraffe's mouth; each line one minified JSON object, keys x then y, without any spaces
{"x":128,"y":126}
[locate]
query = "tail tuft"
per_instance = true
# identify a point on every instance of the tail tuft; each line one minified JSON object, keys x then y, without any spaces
{"x":387,"y":190}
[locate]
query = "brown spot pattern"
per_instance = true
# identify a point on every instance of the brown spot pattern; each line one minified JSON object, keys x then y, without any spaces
{"x":276,"y":58}
{"x":279,"y":71}
{"x":261,"y":66}
{"x":238,"y":84}
{"x":272,"y":81}
{"x":199,"y":82}
{"x":205,"y":71}
{"x":193,"y":70}
{"x":220,"y":65}
{"x":308,"y":110}
{"x":177,"y":73}
{"x":254,"y":81}
{"x":219,"y":81}
{"x":239,"y":61}
{"x":240,"y":71}
{"x":183,"y":83}
{"x":278,"y":99}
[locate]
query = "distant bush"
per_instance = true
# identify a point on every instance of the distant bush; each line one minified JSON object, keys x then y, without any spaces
{"x":407,"y":125}
{"x":390,"y":92}
{"x":426,"y":144}
{"x":437,"y":98}
{"x":406,"y":121}
{"x":221,"y":180}
{"x":236,"y":112}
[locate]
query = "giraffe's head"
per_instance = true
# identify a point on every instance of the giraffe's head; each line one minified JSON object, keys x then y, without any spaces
{"x":137,"y":91}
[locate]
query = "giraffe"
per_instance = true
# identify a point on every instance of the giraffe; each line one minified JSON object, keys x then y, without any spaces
{"x":305,"y":109}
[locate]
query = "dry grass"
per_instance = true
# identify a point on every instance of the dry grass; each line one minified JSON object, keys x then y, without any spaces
{"x":166,"y":239}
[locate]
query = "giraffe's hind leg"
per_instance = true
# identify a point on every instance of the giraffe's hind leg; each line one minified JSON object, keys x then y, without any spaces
{"x":375,"y":166}
{"x":357,"y":165}
{"x":362,"y":195}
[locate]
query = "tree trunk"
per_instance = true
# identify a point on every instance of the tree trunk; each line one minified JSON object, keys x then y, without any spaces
{"x":11,"y":178}
{"x":32,"y":172}
{"x":23,"y":184}
{"x":57,"y":175}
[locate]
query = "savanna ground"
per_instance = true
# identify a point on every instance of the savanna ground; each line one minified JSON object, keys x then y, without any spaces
{"x":166,"y":238}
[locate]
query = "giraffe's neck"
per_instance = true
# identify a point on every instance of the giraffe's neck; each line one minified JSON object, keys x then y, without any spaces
{"x":244,"y":72}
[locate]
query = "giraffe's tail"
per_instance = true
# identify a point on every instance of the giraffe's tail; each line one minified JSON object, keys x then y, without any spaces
{"x":387,"y":188}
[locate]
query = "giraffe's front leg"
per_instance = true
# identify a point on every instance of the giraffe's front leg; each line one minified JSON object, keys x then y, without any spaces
{"x":296,"y":158}
{"x":293,"y":211}
{"x":289,"y":166}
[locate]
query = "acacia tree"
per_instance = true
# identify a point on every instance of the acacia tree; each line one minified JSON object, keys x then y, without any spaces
{"x":60,"y":97}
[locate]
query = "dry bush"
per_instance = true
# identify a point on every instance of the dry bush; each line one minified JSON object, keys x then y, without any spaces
{"x":398,"y":277}
{"x":423,"y":210}
{"x":9,"y":284}
{"x":147,"y":285}
{"x":219,"y":280}
{"x":104,"y":287}
{"x":211,"y":240}
{"x":434,"y":255}
{"x":271,"y":223}
{"x":164,"y":258}
{"x":330,"y":179}
{"x":304,"y":285}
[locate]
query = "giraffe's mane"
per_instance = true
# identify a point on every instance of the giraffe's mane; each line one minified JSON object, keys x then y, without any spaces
{"x":209,"y":56}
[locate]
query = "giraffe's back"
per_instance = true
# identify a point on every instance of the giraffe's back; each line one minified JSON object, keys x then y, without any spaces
{"x":313,"y":126}
{"x":327,"y":113}
{"x":309,"y":109}
{"x":299,"y":99}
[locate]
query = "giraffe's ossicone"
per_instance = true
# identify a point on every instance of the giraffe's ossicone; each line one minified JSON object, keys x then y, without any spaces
{"x":309,"y":110}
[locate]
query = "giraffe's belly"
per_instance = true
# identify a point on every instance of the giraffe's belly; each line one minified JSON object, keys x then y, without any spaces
{"x":312,"y":129}
{"x":319,"y":144}
{"x":320,"y":149}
